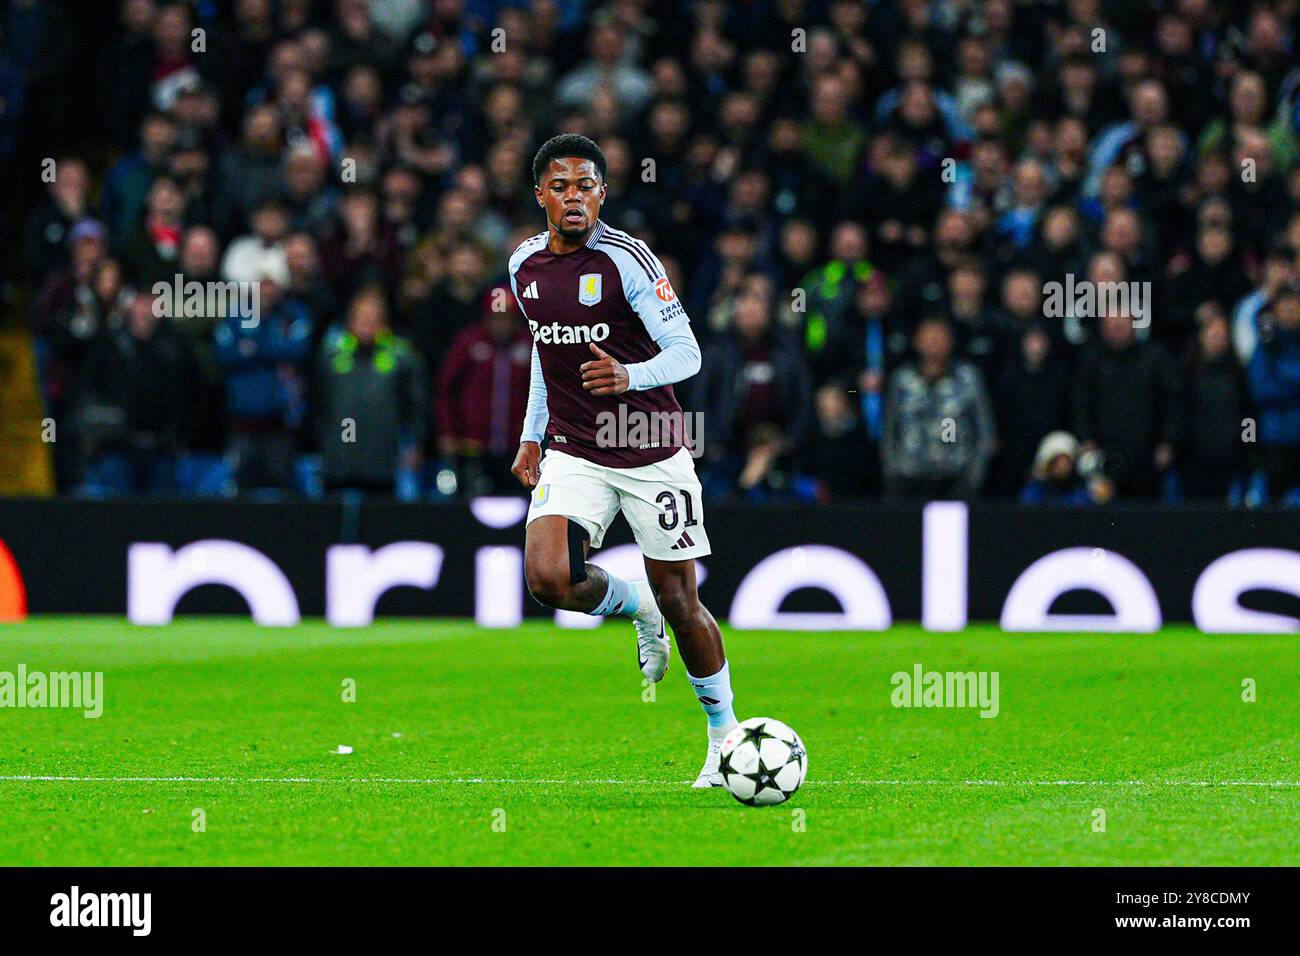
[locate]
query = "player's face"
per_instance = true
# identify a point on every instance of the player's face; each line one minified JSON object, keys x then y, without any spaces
{"x":571,"y":193}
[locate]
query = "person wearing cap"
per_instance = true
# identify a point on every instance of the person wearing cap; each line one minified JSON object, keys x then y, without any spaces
{"x":87,"y":242}
{"x":1056,"y":479}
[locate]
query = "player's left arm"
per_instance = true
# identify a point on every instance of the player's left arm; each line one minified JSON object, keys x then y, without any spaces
{"x":651,"y":296}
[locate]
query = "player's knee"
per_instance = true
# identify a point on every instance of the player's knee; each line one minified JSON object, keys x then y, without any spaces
{"x":676,"y":602}
{"x":548,"y":583}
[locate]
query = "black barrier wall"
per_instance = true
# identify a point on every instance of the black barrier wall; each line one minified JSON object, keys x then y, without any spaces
{"x":858,"y":567}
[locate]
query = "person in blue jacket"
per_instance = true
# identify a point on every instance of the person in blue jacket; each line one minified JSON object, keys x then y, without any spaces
{"x":264,"y":358}
{"x":1274,"y":377}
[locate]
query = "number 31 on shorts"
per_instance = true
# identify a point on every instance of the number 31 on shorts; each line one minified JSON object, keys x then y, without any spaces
{"x":668,"y":520}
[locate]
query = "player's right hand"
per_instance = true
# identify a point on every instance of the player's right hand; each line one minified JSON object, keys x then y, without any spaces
{"x":528,"y":464}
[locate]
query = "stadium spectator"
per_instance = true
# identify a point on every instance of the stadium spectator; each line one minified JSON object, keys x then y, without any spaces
{"x":135,"y":388}
{"x":200,"y":467}
{"x":1058,"y":250}
{"x":1022,"y":306}
{"x":980,"y":330}
{"x":901,"y":200}
{"x":1275,"y":387}
{"x":129,"y":180}
{"x":607,"y":68}
{"x":200,"y":257}
{"x":867,"y":343}
{"x":830,"y":138}
{"x":45,"y":243}
{"x":1213,"y":273}
{"x":87,"y":243}
{"x":306,"y":284}
{"x":373,"y":401}
{"x":261,"y":252}
{"x":482,"y":390}
{"x":1031,"y":398}
{"x":1278,"y":272}
{"x":921,"y":282}
{"x":840,"y":459}
{"x":250,"y":172}
{"x":1115,"y":144}
{"x":151,"y":248}
{"x":1019,"y":224}
{"x":1056,"y":479}
{"x":264,"y":357}
{"x":362,"y":249}
{"x":754,"y":393}
{"x":829,"y":289}
{"x":309,"y":200}
{"x":190,"y":166}
{"x":449,"y":305}
{"x":1127,"y":407}
{"x":1212,"y":457}
{"x":938,"y":422}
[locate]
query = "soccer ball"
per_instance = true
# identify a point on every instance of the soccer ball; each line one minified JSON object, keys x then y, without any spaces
{"x":763,"y":762}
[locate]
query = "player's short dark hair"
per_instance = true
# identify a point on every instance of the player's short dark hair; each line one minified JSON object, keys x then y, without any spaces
{"x":565,"y":145}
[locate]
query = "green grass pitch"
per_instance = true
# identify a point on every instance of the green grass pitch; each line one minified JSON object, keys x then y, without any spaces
{"x":545,"y":733}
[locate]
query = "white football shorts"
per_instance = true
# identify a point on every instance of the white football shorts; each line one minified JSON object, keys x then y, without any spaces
{"x":662,"y":502}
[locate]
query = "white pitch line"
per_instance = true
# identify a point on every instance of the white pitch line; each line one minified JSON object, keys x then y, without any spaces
{"x":535,"y":781}
{"x":1064,"y":783}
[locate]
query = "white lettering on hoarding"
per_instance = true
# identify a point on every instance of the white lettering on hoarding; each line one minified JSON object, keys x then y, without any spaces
{"x":943,"y":566}
{"x":849,"y":579}
{"x":356,"y":577}
{"x":1117,"y":579}
{"x":157,"y":578}
{"x":1216,"y":601}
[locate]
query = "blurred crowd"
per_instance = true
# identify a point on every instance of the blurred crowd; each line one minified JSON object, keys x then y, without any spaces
{"x":865,"y":205}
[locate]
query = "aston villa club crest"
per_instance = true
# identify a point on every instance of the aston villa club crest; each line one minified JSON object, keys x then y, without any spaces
{"x":589,"y":289}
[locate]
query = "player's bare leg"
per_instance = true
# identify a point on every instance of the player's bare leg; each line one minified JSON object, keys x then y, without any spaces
{"x":698,"y":639}
{"x":700,"y":643}
{"x":558,"y":575}
{"x":549,"y":571}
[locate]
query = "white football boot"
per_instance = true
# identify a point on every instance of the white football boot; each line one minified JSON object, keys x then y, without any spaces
{"x":652,"y":647}
{"x":710,"y":774}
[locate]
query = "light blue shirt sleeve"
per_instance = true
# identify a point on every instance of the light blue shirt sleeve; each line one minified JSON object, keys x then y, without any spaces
{"x":536,"y":416}
{"x":651,"y":296}
{"x":679,"y":360}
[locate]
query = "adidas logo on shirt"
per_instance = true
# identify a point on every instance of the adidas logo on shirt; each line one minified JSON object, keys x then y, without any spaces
{"x":683,"y":542}
{"x":530,"y":291}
